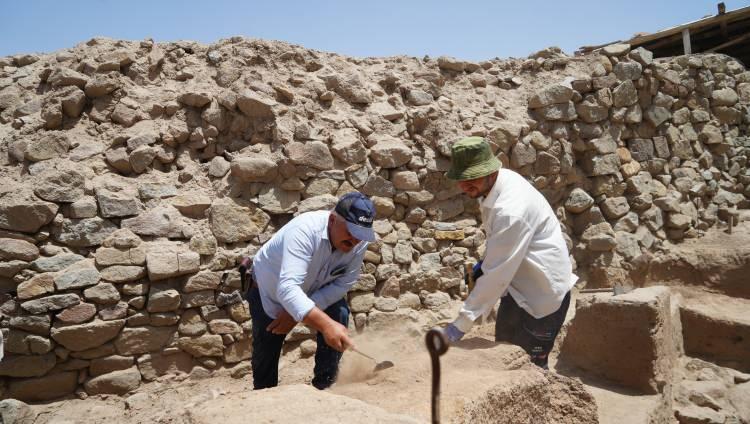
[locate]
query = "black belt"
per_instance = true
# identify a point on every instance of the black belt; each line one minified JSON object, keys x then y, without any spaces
{"x":247,"y":279}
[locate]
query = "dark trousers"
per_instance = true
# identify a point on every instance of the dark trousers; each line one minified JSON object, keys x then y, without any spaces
{"x":267,"y":347}
{"x":535,"y":336}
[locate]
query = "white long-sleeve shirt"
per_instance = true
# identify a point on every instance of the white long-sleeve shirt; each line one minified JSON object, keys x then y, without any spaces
{"x":525,"y":255}
{"x":298,"y":269}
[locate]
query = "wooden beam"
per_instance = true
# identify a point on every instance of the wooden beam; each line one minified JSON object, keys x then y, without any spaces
{"x":700,"y":40}
{"x":712,"y":20}
{"x":587,"y":49}
{"x":686,"y":40}
{"x":672,"y":39}
{"x":734,"y":22}
{"x":729,"y":43}
{"x":722,"y":10}
{"x":713,"y":34}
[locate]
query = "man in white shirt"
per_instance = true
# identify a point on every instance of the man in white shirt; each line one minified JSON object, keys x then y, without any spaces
{"x":302,"y":275}
{"x":526,"y":261}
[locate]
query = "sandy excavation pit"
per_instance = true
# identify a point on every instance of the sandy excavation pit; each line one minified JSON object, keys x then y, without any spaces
{"x":503,"y":386}
{"x":501,"y":378}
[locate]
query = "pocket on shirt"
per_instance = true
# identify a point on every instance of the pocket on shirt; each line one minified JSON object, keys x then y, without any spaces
{"x":338,"y":271}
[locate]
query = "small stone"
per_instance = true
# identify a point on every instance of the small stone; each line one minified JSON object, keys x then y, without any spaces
{"x":616,"y":49}
{"x":361,"y":302}
{"x":386,"y":304}
{"x":51,"y":303}
{"x":36,"y":286}
{"x":578,"y":201}
{"x":77,"y":279}
{"x":77,"y":314}
{"x":103,"y":293}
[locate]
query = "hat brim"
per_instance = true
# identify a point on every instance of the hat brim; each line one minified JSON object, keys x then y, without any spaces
{"x":360,"y":233}
{"x":478,"y":170}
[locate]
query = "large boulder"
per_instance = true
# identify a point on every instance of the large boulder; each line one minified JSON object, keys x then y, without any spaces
{"x":62,"y":77}
{"x":77,"y":314}
{"x":276,"y":200}
{"x":206,"y":345}
{"x":51,"y":303}
{"x":44,"y":388}
{"x":102,"y":294}
{"x":37,"y":324}
{"x":192,"y":204}
{"x":87,"y":336}
{"x":116,"y":382}
{"x":27,"y":365}
{"x":578,"y":201}
{"x":22,"y":211}
{"x":167,"y":263}
{"x":163,"y":299}
{"x":118,"y":202}
{"x":724,"y":97}
{"x":628,"y":70}
{"x":238,"y":351}
{"x":50,"y":145}
{"x":107,"y":364}
{"x":55,"y":263}
{"x":625,"y":94}
{"x":18,"y":249}
{"x":77,"y":278}
{"x":161,"y":221}
{"x":390,"y":152}
{"x":233,"y":221}
{"x":13,"y":411}
{"x":553,"y":94}
{"x":84,"y":232}
{"x":347,"y":147}
{"x":123,"y":273}
{"x":254,"y":169}
{"x":59,"y":185}
{"x":110,"y":256}
{"x":256,"y":105}
{"x":195,"y":97}
{"x":205,"y":280}
{"x":137,"y":340}
{"x":314,"y":154}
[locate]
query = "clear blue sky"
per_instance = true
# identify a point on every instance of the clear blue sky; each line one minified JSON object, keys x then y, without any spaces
{"x":467,"y":29}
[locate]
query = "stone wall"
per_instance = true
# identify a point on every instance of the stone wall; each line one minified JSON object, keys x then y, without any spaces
{"x":135,"y":175}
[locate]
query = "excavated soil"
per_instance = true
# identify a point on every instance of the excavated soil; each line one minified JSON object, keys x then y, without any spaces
{"x":718,"y":262}
{"x":483,"y":382}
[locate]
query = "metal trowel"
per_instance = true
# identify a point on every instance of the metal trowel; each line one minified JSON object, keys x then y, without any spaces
{"x":379,"y":366}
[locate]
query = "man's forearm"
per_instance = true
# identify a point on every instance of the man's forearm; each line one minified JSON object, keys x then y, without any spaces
{"x":318,"y":319}
{"x":335,"y":334}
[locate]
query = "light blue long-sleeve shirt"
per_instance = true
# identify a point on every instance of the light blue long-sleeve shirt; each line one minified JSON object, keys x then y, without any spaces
{"x":298,"y":268}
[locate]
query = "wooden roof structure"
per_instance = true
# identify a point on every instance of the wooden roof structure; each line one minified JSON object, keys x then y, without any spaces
{"x":725,"y":32}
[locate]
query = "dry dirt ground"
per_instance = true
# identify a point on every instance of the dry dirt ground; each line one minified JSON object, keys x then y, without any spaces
{"x":469,"y":372}
{"x":402,"y":393}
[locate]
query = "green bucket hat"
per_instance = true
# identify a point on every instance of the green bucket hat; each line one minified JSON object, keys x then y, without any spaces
{"x":472,"y":158}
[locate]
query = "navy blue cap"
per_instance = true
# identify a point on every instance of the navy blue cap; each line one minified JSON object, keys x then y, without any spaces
{"x":359,"y":212}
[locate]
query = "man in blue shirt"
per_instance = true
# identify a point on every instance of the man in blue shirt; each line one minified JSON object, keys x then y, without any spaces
{"x":302,"y":275}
